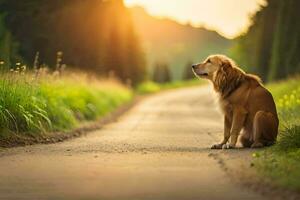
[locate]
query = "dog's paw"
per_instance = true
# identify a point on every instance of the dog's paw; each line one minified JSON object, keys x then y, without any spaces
{"x":228,"y":146}
{"x":217,"y":146}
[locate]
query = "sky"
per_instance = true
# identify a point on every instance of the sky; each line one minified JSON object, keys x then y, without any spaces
{"x":228,"y":17}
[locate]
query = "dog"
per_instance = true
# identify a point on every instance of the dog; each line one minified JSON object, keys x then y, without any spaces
{"x":246,"y":104}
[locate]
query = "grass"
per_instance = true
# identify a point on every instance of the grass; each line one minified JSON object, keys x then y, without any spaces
{"x":281,"y":163}
{"x":31,"y":105}
{"x":150,"y":87}
{"x":35,"y":103}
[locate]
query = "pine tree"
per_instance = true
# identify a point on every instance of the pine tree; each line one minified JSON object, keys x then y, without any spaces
{"x":135,"y":63}
{"x":286,"y":46}
{"x":114,"y":57}
{"x":271,"y":46}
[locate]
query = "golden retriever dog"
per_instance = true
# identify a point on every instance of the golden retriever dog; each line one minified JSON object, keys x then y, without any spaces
{"x":247,"y":105}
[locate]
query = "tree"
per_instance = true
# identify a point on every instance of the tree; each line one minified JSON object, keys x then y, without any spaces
{"x":94,"y":35}
{"x":161,"y":73}
{"x":271,"y":45}
{"x":114,"y":57}
{"x":286,"y":45}
{"x":135,"y":59}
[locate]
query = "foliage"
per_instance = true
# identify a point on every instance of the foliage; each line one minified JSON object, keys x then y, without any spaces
{"x":94,"y":35}
{"x":271,"y":46}
{"x":149,"y":87}
{"x":8,"y":47}
{"x":33,"y":105}
{"x":289,"y":139}
{"x":280,"y":167}
{"x":281,"y":162}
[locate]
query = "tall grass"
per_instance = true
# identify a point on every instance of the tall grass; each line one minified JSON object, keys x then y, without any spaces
{"x":287,"y":97}
{"x":33,"y":104}
{"x":281,"y":163}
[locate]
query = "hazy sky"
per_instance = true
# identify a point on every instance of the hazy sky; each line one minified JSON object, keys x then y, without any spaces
{"x":228,"y":17}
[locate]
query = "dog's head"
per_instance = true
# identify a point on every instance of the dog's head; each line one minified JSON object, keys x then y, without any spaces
{"x":212,"y":65}
{"x":222,"y":71}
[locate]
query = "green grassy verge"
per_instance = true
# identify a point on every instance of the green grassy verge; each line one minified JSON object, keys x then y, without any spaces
{"x":31,"y":106}
{"x":281,"y":163}
{"x":150,"y":87}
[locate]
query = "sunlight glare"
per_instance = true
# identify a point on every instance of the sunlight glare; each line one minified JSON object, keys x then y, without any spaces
{"x":228,"y":17}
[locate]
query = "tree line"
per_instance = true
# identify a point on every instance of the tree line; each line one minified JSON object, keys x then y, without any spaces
{"x":95,"y":35}
{"x":271,"y":46}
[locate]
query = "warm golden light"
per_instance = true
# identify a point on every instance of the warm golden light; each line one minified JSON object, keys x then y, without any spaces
{"x":228,"y":17}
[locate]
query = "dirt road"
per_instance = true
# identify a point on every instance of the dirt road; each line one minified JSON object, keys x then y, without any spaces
{"x":157,"y":151}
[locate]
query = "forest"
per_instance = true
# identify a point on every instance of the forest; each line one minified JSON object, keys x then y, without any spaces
{"x":105,"y":37}
{"x":271,"y":46}
{"x":94,"y":35}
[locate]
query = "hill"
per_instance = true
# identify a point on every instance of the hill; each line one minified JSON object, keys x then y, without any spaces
{"x":169,"y":42}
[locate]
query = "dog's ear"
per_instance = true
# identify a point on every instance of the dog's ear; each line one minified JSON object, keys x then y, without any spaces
{"x":226,"y":64}
{"x":224,"y":76}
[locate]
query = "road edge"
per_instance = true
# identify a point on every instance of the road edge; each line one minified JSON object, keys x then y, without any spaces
{"x":83,"y":129}
{"x":242,"y":172}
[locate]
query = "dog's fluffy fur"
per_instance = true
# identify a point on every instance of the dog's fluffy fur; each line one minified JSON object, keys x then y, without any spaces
{"x":246,"y":104}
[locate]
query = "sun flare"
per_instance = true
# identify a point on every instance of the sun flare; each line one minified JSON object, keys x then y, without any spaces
{"x":223,"y":16}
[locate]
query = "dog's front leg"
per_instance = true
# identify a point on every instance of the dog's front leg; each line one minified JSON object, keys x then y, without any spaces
{"x":239,"y":116}
{"x":227,"y":128}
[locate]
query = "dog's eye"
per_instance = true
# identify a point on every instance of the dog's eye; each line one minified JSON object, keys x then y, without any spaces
{"x":208,"y":61}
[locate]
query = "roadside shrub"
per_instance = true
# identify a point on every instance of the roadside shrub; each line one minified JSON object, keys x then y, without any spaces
{"x":289,"y":139}
{"x":148,"y":87}
{"x":288,"y":105}
{"x":152,"y":87}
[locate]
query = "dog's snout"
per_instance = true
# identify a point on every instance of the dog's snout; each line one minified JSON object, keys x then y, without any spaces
{"x":194,"y":66}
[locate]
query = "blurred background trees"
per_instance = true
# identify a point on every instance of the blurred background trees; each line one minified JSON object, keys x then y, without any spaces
{"x":175,"y":43}
{"x":271,"y":47}
{"x":104,"y":37}
{"x":101,"y":37}
{"x":94,"y":35}
{"x":161,"y":73}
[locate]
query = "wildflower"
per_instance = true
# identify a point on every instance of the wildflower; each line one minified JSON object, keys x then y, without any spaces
{"x":292,"y":97}
{"x":287,"y":103}
{"x":18,"y":64}
{"x":255,"y":155}
{"x":2,"y":62}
